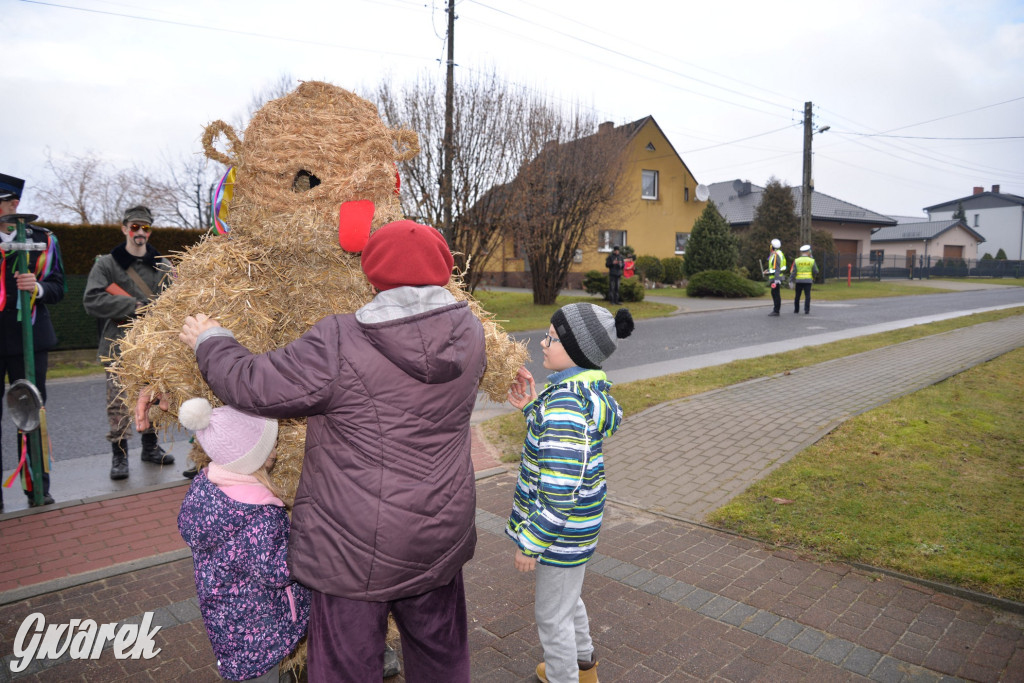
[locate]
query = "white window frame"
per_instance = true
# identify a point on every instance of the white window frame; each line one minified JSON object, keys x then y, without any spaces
{"x":605,"y":241}
{"x":684,"y":242}
{"x":644,"y":174}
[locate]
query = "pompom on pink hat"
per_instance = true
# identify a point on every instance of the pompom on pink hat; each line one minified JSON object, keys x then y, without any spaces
{"x":237,"y":441}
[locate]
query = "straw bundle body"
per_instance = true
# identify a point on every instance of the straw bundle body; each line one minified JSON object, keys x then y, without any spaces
{"x":280,"y":270}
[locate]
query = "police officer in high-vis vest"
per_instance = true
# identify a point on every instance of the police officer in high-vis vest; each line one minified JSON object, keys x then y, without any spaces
{"x":803,"y":271}
{"x":775,"y":272}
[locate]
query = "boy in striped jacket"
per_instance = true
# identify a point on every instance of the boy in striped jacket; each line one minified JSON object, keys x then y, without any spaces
{"x":559,"y":498}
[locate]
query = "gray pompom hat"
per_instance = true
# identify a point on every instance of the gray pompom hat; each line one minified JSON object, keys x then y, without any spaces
{"x":588,"y":332}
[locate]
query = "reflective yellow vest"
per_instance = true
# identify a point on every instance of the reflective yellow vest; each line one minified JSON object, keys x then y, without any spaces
{"x":776,"y":262}
{"x":805,"y":268}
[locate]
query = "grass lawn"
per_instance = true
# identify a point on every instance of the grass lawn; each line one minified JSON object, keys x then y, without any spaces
{"x":931,"y":485}
{"x":989,"y":447}
{"x":517,"y":313}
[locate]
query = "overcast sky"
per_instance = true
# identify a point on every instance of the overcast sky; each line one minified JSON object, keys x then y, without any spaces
{"x":925,"y":98}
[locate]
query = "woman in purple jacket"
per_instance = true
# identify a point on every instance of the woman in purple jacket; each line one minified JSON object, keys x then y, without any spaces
{"x":237,"y":528}
{"x":384,"y":515}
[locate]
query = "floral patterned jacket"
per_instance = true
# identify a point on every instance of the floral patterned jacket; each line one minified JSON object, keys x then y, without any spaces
{"x":254,"y":612}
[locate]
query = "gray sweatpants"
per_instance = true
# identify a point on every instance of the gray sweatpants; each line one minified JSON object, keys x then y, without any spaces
{"x":562,"y":624}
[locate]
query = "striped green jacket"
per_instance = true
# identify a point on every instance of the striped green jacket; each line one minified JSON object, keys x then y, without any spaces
{"x":559,"y":498}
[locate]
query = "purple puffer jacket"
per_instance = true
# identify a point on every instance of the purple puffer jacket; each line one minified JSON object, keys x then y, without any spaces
{"x":386,"y":504}
{"x":254,"y":612}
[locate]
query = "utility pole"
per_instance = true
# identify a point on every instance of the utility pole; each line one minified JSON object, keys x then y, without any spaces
{"x":448,"y":151}
{"x":808,"y":185}
{"x":805,"y":197}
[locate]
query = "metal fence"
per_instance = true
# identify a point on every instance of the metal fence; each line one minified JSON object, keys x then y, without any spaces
{"x":860,"y":267}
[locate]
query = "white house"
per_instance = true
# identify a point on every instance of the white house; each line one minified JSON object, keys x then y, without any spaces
{"x":924,"y":243}
{"x":996,"y":215}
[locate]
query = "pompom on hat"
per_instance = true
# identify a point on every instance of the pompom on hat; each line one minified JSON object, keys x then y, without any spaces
{"x":237,"y":441}
{"x":588,"y":332}
{"x":405,"y":253}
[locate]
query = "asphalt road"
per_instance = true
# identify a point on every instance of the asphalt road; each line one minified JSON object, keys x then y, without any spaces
{"x":660,"y":340}
{"x":76,"y":407}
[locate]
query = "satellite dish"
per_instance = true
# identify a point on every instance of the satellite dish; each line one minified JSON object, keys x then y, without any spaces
{"x":702,"y":193}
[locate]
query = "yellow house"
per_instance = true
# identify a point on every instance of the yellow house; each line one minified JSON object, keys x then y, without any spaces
{"x":655,"y":219}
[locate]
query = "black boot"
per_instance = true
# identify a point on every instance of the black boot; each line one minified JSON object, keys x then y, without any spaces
{"x":392,"y":667}
{"x":151,"y":451}
{"x":119,"y":465}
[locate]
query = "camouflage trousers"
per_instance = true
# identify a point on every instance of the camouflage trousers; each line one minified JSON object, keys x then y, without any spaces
{"x":119,"y":413}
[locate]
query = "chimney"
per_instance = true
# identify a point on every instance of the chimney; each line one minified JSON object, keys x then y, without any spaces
{"x":978,"y":190}
{"x":606,"y":127}
{"x":995,"y":189}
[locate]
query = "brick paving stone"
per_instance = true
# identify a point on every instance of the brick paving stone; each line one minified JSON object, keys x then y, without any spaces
{"x":668,"y":600}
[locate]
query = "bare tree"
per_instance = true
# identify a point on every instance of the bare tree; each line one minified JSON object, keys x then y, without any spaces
{"x":87,"y":190}
{"x":565,"y":195}
{"x":181,"y":194}
{"x":492,"y":139}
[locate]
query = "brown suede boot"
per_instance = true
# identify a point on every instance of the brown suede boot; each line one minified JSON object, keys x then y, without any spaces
{"x":588,"y":675}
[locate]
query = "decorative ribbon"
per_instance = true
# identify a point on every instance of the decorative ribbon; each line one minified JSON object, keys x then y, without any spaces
{"x":221,"y":199}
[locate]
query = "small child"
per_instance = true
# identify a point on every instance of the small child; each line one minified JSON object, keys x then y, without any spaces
{"x":237,"y":528}
{"x":559,"y":498}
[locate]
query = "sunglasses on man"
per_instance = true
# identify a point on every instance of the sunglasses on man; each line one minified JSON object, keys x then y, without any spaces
{"x":136,"y":227}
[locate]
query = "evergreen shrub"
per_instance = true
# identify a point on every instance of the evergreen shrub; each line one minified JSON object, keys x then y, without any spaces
{"x":723,"y":283}
{"x":672,"y":267}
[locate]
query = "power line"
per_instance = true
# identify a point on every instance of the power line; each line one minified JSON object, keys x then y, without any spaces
{"x":220,"y":29}
{"x":924,"y":137}
{"x":732,"y":142}
{"x":632,"y":58}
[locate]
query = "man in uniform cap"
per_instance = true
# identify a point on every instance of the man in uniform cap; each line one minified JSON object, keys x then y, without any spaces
{"x":804,"y":269}
{"x":775,"y":272}
{"x":45,"y":280}
{"x":119,"y":284}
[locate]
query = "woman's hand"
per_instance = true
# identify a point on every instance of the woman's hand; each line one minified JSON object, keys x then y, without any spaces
{"x":195,"y":326}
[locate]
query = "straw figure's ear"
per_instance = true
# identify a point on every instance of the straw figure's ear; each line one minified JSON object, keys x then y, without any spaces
{"x":210,"y":134}
{"x":407,"y":143}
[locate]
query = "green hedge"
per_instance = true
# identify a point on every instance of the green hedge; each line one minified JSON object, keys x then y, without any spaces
{"x":723,"y":283}
{"x":81,"y":244}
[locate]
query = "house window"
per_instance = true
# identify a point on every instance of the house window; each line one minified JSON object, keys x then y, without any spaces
{"x":686,"y":194}
{"x":649,"y":184}
{"x":977,"y":216}
{"x":681,"y":239}
{"x":611,"y":238}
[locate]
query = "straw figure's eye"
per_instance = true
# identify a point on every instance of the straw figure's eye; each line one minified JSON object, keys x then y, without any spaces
{"x":304,"y":181}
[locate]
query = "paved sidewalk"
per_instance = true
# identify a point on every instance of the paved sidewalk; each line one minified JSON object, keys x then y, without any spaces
{"x":668,"y":600}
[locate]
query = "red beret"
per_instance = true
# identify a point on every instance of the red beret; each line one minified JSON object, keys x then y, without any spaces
{"x":405,"y":253}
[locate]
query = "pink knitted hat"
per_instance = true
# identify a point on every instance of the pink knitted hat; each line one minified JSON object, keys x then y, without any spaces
{"x":237,"y":441}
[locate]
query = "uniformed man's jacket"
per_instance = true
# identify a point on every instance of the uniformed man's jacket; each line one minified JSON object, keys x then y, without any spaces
{"x":776,"y":264}
{"x":49,"y":270}
{"x":114,"y":309}
{"x":805,"y":269}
